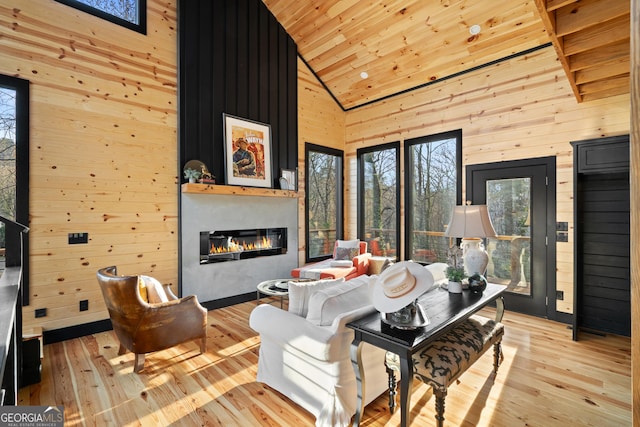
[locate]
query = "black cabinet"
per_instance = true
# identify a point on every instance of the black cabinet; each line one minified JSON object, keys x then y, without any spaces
{"x":602,"y":244}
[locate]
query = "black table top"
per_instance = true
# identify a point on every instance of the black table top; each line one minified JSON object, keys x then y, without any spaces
{"x":443,"y":310}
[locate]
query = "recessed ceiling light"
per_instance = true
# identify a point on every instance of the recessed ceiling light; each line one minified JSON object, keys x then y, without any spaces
{"x":364,"y":75}
{"x":474,"y":29}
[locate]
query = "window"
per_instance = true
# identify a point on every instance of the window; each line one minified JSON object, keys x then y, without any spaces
{"x":324,"y":211}
{"x":379,"y":199}
{"x":131,"y":14}
{"x":14,"y":167}
{"x":433,"y":187}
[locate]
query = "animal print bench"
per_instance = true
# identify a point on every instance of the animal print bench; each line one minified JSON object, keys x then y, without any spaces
{"x":444,"y":360}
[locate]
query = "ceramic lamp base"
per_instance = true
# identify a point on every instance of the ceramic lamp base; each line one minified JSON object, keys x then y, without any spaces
{"x":474,"y":256}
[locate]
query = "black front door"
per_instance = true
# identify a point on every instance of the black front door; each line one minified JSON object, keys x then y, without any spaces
{"x":520,"y":197}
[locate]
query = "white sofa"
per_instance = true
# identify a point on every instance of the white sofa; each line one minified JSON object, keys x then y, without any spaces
{"x":304,"y":352}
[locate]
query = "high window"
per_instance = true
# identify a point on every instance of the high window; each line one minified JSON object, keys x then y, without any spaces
{"x":379,"y":199}
{"x":324,"y":208}
{"x":433,"y":187}
{"x":131,"y":14}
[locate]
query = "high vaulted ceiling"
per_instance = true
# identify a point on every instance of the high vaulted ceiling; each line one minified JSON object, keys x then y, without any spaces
{"x":403,"y":44}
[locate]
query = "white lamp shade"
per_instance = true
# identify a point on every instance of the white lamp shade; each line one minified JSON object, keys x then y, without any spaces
{"x":470,"y":221}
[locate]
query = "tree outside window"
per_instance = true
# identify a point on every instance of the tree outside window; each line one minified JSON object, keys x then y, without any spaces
{"x":324,"y":212}
{"x":433,"y":188}
{"x":7,"y":155}
{"x":378,"y":219}
{"x":128,"y":13}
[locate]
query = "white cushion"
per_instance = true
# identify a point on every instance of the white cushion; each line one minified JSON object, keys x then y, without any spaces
{"x":346,"y":249}
{"x":342,"y":263}
{"x":328,"y":303}
{"x":439,"y":272}
{"x":300,"y":292}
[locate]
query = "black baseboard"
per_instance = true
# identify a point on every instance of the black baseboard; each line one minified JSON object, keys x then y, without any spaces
{"x":63,"y":334}
{"x":57,"y":335}
{"x":564,"y":317}
{"x":226,"y":302}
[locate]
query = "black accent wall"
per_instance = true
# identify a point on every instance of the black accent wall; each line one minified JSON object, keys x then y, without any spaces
{"x":235,"y":58}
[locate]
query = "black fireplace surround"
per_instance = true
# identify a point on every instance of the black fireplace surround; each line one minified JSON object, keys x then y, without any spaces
{"x":233,"y":245}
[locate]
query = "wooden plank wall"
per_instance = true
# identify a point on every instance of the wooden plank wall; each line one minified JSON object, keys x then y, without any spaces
{"x":321,"y":121}
{"x":523,"y":108}
{"x":103,"y":149}
{"x":634,"y":175}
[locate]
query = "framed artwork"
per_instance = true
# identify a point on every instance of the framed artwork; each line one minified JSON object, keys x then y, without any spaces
{"x":291,"y":175}
{"x":247,"y":146}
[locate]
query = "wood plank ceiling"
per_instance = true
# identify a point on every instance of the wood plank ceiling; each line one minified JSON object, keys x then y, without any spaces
{"x":403,"y":44}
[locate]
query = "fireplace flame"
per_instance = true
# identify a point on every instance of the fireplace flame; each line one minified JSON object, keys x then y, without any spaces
{"x":235,"y":246}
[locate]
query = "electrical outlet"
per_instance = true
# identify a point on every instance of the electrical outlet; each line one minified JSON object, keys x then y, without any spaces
{"x":84,"y":305}
{"x":560,"y":295}
{"x":41,"y":312}
{"x":78,"y":238}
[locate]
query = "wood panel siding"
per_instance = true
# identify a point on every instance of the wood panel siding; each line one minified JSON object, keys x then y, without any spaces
{"x":235,"y":58}
{"x":102,"y":150}
{"x":403,"y":44}
{"x":518,"y":109}
{"x":603,"y":256}
{"x":321,"y":121}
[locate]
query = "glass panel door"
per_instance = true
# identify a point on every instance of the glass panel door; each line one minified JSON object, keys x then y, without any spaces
{"x":509,"y":205}
{"x":521,"y":203}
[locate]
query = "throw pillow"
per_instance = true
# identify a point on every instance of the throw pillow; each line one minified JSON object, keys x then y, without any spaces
{"x":439,"y":272}
{"x":346,"y":249}
{"x":155,"y":291}
{"x":342,"y":263}
{"x":327,"y":304}
{"x":300,"y":292}
{"x":142,"y":289}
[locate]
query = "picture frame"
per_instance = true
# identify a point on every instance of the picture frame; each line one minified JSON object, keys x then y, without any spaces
{"x":247,"y":147}
{"x":291,"y":175}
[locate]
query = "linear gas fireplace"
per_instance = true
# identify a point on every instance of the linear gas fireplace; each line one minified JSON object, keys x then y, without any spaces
{"x":232,"y":245}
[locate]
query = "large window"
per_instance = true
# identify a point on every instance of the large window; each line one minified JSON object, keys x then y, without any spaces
{"x":433,"y":187}
{"x":131,"y":14}
{"x":14,"y":170}
{"x":324,"y":213}
{"x":379,"y":199}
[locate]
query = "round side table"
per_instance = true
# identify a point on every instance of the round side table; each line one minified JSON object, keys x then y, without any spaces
{"x":271,"y":288}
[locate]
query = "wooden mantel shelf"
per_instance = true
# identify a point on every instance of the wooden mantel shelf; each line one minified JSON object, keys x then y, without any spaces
{"x":236,"y":191}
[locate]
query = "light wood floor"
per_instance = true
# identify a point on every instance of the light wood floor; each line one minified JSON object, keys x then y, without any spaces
{"x":546,"y":379}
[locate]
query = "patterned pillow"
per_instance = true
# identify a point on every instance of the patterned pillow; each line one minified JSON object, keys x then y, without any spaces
{"x":346,"y":249}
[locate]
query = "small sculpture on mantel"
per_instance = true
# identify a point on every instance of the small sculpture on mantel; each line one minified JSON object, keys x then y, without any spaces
{"x":207,"y":177}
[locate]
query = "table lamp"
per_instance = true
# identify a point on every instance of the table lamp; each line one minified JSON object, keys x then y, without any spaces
{"x":471,"y":223}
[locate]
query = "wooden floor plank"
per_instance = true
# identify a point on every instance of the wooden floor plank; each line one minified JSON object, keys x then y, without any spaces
{"x":546,"y":379}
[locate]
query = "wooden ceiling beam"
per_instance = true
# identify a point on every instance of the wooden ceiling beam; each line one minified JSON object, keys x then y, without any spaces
{"x":599,"y":57}
{"x":549,"y":21}
{"x":610,"y":32}
{"x":579,"y":16}
{"x":557,"y":4}
{"x":613,"y":69}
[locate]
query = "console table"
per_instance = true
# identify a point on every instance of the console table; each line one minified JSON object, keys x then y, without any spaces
{"x":444,"y":311}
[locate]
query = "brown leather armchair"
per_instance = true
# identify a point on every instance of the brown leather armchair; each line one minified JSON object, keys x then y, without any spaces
{"x":147,"y":316}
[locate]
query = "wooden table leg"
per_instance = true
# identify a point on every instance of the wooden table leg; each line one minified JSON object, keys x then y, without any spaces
{"x":406,"y":386}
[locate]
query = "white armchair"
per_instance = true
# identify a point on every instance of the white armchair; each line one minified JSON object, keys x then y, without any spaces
{"x":307,"y":358}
